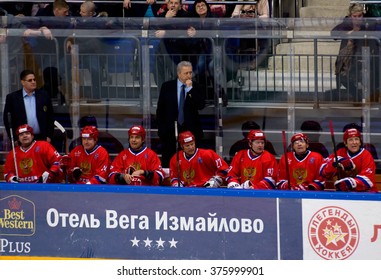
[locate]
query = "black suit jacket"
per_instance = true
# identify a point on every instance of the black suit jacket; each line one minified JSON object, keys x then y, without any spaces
{"x":14,"y":104}
{"x":167,"y":109}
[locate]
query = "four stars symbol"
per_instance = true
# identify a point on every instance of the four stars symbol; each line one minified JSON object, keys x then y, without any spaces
{"x":148,"y":242}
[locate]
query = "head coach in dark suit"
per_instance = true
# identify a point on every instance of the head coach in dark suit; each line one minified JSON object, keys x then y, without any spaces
{"x":179,"y":100}
{"x":32,"y":106}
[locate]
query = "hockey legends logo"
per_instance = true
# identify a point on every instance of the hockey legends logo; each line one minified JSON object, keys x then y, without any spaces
{"x":333,"y":233}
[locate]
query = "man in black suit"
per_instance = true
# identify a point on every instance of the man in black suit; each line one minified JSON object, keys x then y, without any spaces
{"x":31,"y":106}
{"x":169,"y":111}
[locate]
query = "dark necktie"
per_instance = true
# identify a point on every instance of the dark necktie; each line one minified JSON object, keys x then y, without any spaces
{"x":180,"y":117}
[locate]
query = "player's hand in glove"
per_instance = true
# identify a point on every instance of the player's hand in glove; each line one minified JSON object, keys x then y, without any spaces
{"x":77,"y":172}
{"x":214,"y":182}
{"x":346,"y":184}
{"x":300,"y":187}
{"x":119,"y":179}
{"x":14,"y":179}
{"x":314,"y":187}
{"x":346,"y":164}
{"x":234,"y":185}
{"x":176,"y":183}
{"x":247,"y":185}
{"x":65,"y":162}
{"x":45,"y":177}
{"x":283,"y":186}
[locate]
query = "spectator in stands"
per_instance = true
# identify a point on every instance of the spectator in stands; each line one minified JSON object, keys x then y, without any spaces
{"x":170,"y":51}
{"x":88,"y":9}
{"x":35,"y":162}
{"x":254,"y":168}
{"x":367,"y":146}
{"x":250,"y":10}
{"x":15,"y":44}
{"x":31,"y":106}
{"x":302,"y":170}
{"x":150,"y":9}
{"x":89,"y":48}
{"x":179,"y":101}
{"x":313,"y":129}
{"x":138,"y":164}
{"x":195,"y":167}
{"x":352,"y":165}
{"x":243,"y":144}
{"x":89,"y":162}
{"x":17,"y":8}
{"x":348,"y":66}
{"x":201,"y":48}
{"x":59,"y":8}
{"x":105,"y":139}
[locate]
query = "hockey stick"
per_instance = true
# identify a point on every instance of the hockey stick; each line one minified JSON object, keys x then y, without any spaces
{"x":286,"y":157}
{"x":334,"y":149}
{"x":62,"y":129}
{"x":177,"y":154}
{"x":13,"y":144}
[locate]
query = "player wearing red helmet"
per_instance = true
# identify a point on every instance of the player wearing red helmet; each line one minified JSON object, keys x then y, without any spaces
{"x":87,"y":163}
{"x":253,"y":168}
{"x":197,"y":167}
{"x":303,"y":167}
{"x":36,"y":161}
{"x":137,"y":165}
{"x":355,"y":168}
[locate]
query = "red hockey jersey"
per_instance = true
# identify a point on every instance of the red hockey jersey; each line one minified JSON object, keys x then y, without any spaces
{"x":94,"y":165}
{"x":260,"y":170}
{"x":198,"y":169}
{"x":146,"y":159}
{"x":41,"y":156}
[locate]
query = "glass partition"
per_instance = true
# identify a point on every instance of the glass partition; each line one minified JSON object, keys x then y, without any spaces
{"x":276,"y":72}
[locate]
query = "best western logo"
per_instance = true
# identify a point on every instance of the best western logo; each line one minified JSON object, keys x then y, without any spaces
{"x":17,"y":216}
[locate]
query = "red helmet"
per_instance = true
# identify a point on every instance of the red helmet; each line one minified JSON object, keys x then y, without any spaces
{"x":24,"y":128}
{"x":90,"y":131}
{"x":256,"y":135}
{"x":299,"y":136}
{"x":186,"y":137}
{"x":351,"y":132}
{"x":137,"y":130}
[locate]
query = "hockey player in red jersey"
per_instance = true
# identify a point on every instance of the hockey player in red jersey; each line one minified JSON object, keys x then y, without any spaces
{"x":253,"y":168}
{"x":137,"y":165}
{"x":36,"y":161}
{"x":354,"y":169}
{"x":197,"y":167}
{"x":88,"y":163}
{"x":302,"y":172}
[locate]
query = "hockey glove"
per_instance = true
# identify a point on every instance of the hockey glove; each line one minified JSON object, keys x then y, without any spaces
{"x":14,"y":179}
{"x":346,"y":184}
{"x":44,"y":177}
{"x":213,"y":182}
{"x":346,"y":164}
{"x":234,"y":185}
{"x":300,"y":187}
{"x":65,"y":162}
{"x":119,"y":179}
{"x":247,"y":185}
{"x":77,"y":172}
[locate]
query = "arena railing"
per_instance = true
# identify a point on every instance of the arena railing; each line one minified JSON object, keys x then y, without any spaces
{"x":272,"y":94}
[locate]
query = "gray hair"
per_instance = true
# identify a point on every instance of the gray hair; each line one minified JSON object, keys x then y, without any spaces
{"x":183,"y":64}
